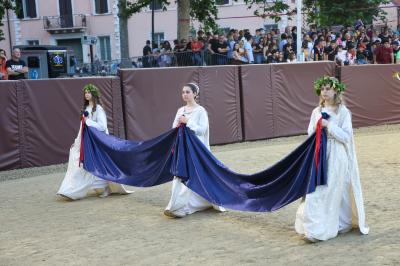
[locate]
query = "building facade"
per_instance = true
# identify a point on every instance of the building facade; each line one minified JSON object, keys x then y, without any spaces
{"x":91,"y":27}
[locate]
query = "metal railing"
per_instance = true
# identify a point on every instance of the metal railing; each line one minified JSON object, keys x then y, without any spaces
{"x":64,"y":21}
{"x":170,"y":59}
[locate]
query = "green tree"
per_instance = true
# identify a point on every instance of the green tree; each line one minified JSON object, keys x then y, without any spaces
{"x":4,"y":6}
{"x":323,"y":12}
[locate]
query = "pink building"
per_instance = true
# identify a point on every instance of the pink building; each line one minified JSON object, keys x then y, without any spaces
{"x":67,"y":22}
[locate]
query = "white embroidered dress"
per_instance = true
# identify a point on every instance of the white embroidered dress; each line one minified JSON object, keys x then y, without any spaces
{"x":337,"y":206}
{"x":77,"y":181}
{"x":183,"y":200}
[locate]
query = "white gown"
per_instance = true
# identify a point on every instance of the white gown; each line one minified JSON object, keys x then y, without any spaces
{"x":334,"y":208}
{"x":183,"y":200}
{"x":77,"y":181}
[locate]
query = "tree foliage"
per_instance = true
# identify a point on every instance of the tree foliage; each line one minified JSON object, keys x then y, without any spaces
{"x":320,"y":12}
{"x":323,"y":12}
{"x":4,"y":6}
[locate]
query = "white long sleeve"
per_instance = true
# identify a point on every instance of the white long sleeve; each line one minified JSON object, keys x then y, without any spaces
{"x":341,"y":133}
{"x":199,"y":122}
{"x":179,"y":113}
{"x":313,"y":121}
{"x":98,"y":120}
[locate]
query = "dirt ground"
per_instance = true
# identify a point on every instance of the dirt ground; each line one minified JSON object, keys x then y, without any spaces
{"x":37,"y":228}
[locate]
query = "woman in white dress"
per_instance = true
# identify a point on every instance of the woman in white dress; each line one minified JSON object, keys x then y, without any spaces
{"x":337,"y":206}
{"x":78,"y":182}
{"x":183,"y":200}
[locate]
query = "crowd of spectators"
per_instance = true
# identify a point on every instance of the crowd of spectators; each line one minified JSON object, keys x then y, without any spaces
{"x":357,"y":44}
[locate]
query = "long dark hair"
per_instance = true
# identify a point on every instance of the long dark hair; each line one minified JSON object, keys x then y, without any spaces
{"x":95,"y":99}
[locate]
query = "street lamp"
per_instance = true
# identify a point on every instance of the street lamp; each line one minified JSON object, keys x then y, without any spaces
{"x":153,"y":6}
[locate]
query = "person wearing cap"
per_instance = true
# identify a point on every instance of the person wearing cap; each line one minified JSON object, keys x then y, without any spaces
{"x":384,"y":54}
{"x":3,"y":68}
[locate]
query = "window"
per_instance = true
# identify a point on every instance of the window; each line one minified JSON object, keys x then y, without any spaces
{"x":101,"y":6}
{"x":26,"y":9}
{"x":269,"y":27}
{"x":105,"y":48}
{"x":158,"y":38}
{"x":157,"y":5}
{"x":222,"y":2}
{"x":32,"y":42}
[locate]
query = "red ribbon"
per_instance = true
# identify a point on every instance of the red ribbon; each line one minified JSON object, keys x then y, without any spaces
{"x":81,"y":155}
{"x":318,"y":133}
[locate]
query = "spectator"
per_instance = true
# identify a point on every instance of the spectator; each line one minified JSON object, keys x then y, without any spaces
{"x":231,"y":44}
{"x":341,"y":56}
{"x":273,"y":57}
{"x":222,"y":49}
{"x":384,"y":53}
{"x":248,"y":56}
{"x":166,"y":55}
{"x":362,"y":55}
{"x":16,"y":67}
{"x":197,"y":46}
{"x":3,"y":68}
{"x":331,"y":51}
{"x":213,"y":48}
{"x":238,"y":53}
{"x":396,"y":49}
{"x":319,"y":51}
{"x":283,"y":41}
{"x":288,"y":48}
{"x":147,"y":54}
{"x":258,"y":51}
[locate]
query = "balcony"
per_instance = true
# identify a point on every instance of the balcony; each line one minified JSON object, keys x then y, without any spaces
{"x":65,"y":24}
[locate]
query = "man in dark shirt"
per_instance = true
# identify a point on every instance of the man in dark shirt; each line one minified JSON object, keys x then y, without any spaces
{"x":223,"y":49}
{"x":146,"y":54}
{"x":16,"y":67}
{"x":331,"y":51}
{"x":213,"y":48}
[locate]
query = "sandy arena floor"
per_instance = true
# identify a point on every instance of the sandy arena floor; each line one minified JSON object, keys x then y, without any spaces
{"x":37,"y":228}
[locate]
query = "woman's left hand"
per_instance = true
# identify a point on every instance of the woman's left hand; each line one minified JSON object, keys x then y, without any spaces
{"x":183,"y":120}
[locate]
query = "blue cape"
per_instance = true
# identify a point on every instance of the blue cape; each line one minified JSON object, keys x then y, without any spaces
{"x":180,"y":153}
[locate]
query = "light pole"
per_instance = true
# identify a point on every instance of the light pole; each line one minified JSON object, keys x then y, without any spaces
{"x":153,"y":6}
{"x":299,"y":20}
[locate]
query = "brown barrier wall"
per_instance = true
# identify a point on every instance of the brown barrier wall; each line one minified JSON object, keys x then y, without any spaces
{"x":44,"y":118}
{"x":372,"y":94}
{"x":294,"y":95}
{"x":152,"y":97}
{"x":278,"y":98}
{"x":9,"y":134}
{"x":257,"y":102}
